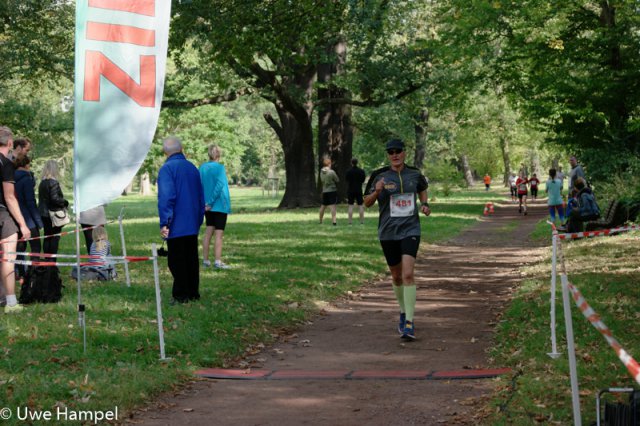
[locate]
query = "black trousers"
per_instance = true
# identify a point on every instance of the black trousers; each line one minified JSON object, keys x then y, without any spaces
{"x":50,"y":245}
{"x":88,"y":236}
{"x":184,"y":265}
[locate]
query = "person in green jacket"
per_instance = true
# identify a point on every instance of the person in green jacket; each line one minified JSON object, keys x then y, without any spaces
{"x":329,"y":180}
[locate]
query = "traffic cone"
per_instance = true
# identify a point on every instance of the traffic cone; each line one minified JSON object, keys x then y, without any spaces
{"x":490,"y":207}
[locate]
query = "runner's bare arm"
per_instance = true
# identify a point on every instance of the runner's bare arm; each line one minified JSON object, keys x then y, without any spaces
{"x":370,"y":199}
{"x":424,"y":202}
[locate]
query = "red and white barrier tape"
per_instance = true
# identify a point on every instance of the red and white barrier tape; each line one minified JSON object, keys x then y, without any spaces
{"x":587,"y":234}
{"x":41,"y":263}
{"x":82,"y":256}
{"x":61,"y":234}
{"x":594,"y":319}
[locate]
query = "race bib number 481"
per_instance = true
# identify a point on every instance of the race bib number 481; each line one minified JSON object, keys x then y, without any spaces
{"x":402,"y":205}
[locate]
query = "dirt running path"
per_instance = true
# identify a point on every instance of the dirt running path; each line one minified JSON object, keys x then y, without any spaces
{"x":462,"y":288}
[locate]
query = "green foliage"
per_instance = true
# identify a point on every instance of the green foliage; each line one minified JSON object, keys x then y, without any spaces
{"x":572,"y":67}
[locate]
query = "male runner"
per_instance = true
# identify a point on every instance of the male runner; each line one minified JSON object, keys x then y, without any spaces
{"x":395,"y":189}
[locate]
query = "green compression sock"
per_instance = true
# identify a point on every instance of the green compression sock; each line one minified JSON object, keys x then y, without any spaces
{"x":399,"y":291}
{"x":410,"y":300}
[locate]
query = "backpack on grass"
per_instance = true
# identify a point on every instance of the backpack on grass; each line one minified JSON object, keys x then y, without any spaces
{"x":94,"y":273}
{"x":41,"y":284}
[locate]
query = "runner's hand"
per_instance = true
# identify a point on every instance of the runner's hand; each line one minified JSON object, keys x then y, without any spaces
{"x":380,"y":185}
{"x":426,"y":210}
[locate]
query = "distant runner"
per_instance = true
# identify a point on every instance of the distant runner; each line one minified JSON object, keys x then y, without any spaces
{"x":395,"y":189}
{"x":521,"y":184}
{"x":534,"y":182}
{"x":487,"y":182}
{"x":513,"y":187}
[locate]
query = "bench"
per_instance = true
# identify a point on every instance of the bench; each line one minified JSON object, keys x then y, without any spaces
{"x":614,"y":215}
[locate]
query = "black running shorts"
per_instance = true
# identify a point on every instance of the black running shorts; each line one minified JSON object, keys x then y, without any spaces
{"x":394,"y":249}
{"x":354,"y":196}
{"x":329,"y":198}
{"x":216,"y":219}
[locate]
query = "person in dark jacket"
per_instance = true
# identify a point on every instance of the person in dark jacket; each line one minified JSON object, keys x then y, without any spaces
{"x":355,"y":178}
{"x":586,"y":210}
{"x":25,"y":192}
{"x":181,"y":211}
{"x":50,"y":197}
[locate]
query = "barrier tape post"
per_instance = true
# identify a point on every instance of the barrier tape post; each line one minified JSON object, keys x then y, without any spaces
{"x":124,"y":248}
{"x":571,"y":351}
{"x":554,"y":272}
{"x":156,"y":278}
{"x":571,"y":347}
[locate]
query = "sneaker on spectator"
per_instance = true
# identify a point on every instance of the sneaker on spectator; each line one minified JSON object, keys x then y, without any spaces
{"x":218,"y":264}
{"x":408,"y":332}
{"x":13,"y":309}
{"x":206,"y":263}
{"x":403,"y":319}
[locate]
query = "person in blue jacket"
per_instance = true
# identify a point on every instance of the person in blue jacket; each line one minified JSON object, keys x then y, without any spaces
{"x":181,"y":209}
{"x":217,"y":205}
{"x":26,"y":195}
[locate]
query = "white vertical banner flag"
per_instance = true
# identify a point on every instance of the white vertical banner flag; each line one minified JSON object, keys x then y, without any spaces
{"x":121,"y":57}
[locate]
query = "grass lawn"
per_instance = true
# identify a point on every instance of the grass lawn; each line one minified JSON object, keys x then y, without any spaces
{"x":284,"y":263}
{"x":606,"y":270}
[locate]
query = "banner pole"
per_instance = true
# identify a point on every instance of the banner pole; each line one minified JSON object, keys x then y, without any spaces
{"x":124,"y":248}
{"x":81,"y":308}
{"x":156,"y":278}
{"x":554,"y":264}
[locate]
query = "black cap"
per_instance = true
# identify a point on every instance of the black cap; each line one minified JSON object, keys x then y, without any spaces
{"x":394,"y":144}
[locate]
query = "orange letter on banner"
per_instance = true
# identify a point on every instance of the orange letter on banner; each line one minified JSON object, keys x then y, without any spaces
{"x":120,"y":34}
{"x":141,"y":7}
{"x":96,"y":64}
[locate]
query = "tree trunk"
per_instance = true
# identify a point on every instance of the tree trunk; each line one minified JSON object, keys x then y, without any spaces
{"x":129,"y":189}
{"x":296,"y":137}
{"x":535,"y":162}
{"x":504,"y":147}
{"x":145,"y":184}
{"x":468,"y":176}
{"x":335,"y":131}
{"x":421,"y":129}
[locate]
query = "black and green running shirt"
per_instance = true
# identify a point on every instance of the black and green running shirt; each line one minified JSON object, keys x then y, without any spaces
{"x":397,"y":203}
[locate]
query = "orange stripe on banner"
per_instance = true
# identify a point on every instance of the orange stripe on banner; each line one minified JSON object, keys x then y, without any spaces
{"x":120,"y":34}
{"x":141,"y":7}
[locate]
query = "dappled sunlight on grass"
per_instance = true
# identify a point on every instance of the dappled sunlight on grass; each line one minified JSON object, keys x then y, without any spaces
{"x":285,"y":265}
{"x":607,"y":271}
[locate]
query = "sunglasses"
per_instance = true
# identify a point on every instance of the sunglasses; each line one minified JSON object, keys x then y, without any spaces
{"x":394,"y":151}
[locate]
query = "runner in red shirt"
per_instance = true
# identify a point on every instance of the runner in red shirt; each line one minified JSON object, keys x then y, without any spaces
{"x":521,"y":184}
{"x":534,"y":182}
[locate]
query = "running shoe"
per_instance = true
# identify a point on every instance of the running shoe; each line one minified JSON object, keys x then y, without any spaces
{"x":206,"y":263}
{"x":13,"y":309}
{"x":408,"y":332}
{"x":403,"y":319}
{"x":519,"y":209}
{"x":218,"y":264}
